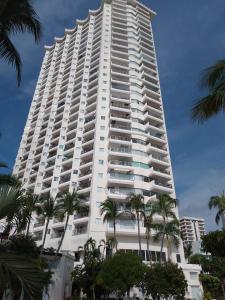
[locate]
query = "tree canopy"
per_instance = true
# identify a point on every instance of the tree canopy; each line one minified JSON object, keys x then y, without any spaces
{"x":165,"y":280}
{"x":121,"y":272}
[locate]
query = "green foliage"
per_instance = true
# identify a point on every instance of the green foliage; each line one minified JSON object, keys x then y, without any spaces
{"x":219,"y":203}
{"x":121,"y":272}
{"x":214,"y":102}
{"x":214,"y":243}
{"x":68,"y":204}
{"x":165,"y":281}
{"x":207,"y":296}
{"x":22,"y":268}
{"x":85,"y":276}
{"x":16,"y":17}
{"x":211,"y":285}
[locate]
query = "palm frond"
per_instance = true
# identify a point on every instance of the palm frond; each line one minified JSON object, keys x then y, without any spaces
{"x":18,"y":269}
{"x":10,"y":54}
{"x":21,"y":17}
{"x":213,"y":75}
{"x":209,"y":106}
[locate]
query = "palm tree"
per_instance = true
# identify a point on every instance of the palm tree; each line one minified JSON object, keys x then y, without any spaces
{"x":219,"y":203}
{"x":164,"y":207}
{"x":48,"y":210}
{"x":169,"y":232}
{"x":16,"y":17}
{"x":136,"y":204}
{"x":70,"y":203}
{"x":11,"y":208}
{"x":26,"y":275}
{"x":214,"y":80}
{"x":31,"y":204}
{"x":149,"y":225}
{"x":109,"y":209}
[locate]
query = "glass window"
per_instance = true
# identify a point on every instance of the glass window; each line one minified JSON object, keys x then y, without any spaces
{"x":98,"y":221}
{"x":101,"y":162}
{"x":193,"y":275}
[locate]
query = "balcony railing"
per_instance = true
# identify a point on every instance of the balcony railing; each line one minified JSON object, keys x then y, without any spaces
{"x":120,"y":149}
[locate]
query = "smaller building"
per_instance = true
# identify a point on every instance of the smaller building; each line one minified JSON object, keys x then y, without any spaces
{"x":61,"y":267}
{"x":192,"y":229}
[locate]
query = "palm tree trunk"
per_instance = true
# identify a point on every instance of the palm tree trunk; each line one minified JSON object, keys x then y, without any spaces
{"x":162,"y":242}
{"x":46,"y":229}
{"x":148,"y":250}
{"x":22,"y":294}
{"x":93,"y":292}
{"x":63,"y":235}
{"x":28,"y":226}
{"x":139,"y":234}
{"x":223,"y":289}
{"x":114,"y":232}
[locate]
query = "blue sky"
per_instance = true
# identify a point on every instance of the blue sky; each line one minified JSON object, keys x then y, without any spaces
{"x":189,"y":36}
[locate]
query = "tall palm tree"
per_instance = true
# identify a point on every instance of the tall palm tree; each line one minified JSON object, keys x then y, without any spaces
{"x":109,"y":209}
{"x":219,"y":203}
{"x":149,"y":225}
{"x":70,"y":203}
{"x":164,"y":207}
{"x":31,"y":204}
{"x":136,"y":204}
{"x":48,"y":210}
{"x":16,"y":17}
{"x":169,"y":232}
{"x":214,"y":80}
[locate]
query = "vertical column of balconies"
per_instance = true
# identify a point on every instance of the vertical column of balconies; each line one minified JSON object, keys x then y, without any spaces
{"x":38,"y":135}
{"x":25,"y":146}
{"x":120,"y":158}
{"x":47,"y":143}
{"x":153,"y":118}
{"x":46,"y":151}
{"x":85,"y":56}
{"x":67,"y":133}
{"x":86,"y":161}
{"x":101,"y":130}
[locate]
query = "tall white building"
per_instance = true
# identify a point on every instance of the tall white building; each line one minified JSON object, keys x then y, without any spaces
{"x":96,"y":123}
{"x":192,"y":229}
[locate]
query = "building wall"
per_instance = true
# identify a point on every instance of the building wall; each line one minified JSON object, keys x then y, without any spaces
{"x":192,"y":229}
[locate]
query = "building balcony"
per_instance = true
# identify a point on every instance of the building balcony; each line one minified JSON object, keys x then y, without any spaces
{"x":80,"y":230}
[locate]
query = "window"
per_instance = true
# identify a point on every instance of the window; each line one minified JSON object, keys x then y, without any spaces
{"x":56,"y":178}
{"x":99,"y":189}
{"x":98,"y":204}
{"x":193,"y":275}
{"x":101,"y":149}
{"x":100,"y":175}
{"x":101,"y":162}
{"x":178,"y":258}
{"x":102,"y":138}
{"x":98,"y":221}
{"x":102,"y":117}
{"x":75,"y":171}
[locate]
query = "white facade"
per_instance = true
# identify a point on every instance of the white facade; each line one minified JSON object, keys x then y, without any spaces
{"x":192,"y":229}
{"x":96,"y":122}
